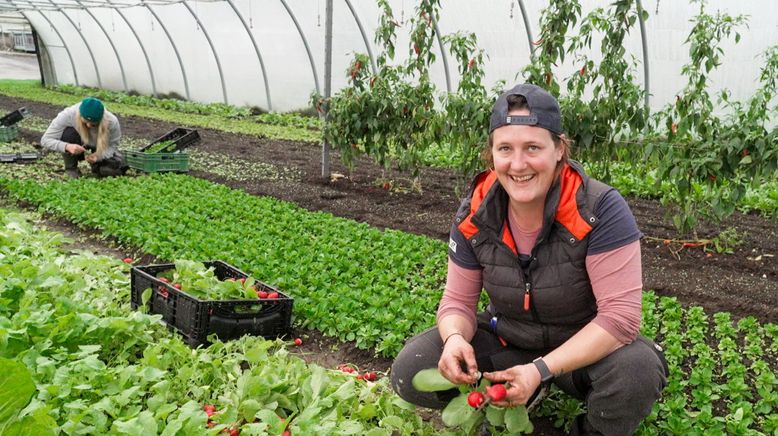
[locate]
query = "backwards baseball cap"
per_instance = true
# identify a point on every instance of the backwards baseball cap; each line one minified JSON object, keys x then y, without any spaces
{"x":92,"y":110}
{"x":543,"y":109}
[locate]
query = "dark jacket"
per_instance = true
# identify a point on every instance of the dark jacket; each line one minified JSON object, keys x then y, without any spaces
{"x":542,"y":302}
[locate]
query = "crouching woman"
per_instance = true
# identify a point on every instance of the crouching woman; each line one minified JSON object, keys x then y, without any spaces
{"x":86,"y":127}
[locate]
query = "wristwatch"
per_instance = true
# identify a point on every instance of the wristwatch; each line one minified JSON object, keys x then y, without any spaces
{"x":545,"y":374}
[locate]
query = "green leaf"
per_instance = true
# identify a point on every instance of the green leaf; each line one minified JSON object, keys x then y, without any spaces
{"x":495,"y":415}
{"x":249,"y":408}
{"x":457,"y":412}
{"x":431,"y":380}
{"x":16,"y":389}
{"x":38,"y":423}
{"x":517,"y":419}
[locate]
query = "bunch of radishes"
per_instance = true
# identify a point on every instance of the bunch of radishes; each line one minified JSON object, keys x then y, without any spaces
{"x":495,"y":392}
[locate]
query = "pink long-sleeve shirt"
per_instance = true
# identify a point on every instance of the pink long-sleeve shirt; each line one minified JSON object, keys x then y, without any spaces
{"x":615,"y":275}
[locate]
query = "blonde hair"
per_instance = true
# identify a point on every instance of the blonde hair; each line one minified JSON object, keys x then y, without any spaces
{"x":102,"y":133}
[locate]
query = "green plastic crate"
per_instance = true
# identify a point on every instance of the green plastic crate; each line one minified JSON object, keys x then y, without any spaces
{"x":158,"y":162}
{"x":8,"y":133}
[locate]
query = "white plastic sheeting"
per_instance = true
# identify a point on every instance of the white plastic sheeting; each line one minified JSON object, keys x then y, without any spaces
{"x":202,"y":49}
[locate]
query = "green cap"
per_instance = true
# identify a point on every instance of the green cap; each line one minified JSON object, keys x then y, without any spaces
{"x":92,"y":110}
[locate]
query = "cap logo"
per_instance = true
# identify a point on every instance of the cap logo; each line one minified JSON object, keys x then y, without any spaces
{"x":526,"y":120}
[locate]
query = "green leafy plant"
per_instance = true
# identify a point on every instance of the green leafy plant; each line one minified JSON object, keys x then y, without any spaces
{"x":468,"y":410}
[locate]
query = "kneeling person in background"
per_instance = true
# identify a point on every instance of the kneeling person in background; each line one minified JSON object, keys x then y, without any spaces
{"x":86,"y":126}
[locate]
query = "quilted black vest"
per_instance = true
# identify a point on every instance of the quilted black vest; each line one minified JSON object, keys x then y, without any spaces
{"x":540,"y":304}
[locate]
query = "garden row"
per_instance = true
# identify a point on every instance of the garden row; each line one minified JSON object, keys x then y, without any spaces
{"x":32,"y":90}
{"x":77,"y":360}
{"x":379,"y":288}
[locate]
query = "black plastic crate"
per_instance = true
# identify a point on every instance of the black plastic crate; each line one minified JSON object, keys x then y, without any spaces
{"x":18,"y":157}
{"x":195,"y":319}
{"x":27,"y":157}
{"x":14,"y":117}
{"x":181,"y":138}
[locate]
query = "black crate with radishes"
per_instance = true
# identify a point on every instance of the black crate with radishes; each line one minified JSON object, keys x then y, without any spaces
{"x":203,"y":298}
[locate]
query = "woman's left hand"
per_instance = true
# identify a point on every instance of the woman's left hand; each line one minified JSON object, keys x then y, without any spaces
{"x":92,"y":158}
{"x":522,"y":381}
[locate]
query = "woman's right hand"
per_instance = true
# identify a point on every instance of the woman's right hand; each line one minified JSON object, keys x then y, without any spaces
{"x":74,"y":149}
{"x":456,"y":351}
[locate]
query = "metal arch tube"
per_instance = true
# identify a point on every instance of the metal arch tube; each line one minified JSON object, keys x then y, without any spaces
{"x":64,"y":44}
{"x":142,"y":48}
{"x":442,"y":54}
{"x":256,"y":49}
{"x":527,"y":28}
{"x":88,"y":47}
{"x":110,"y":41}
{"x":364,"y":36}
{"x":646,"y":87}
{"x":305,"y":43}
{"x":213,"y":49}
{"x":175,"y":50}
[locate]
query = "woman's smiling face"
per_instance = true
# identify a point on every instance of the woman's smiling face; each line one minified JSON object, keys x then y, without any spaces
{"x":525,"y":160}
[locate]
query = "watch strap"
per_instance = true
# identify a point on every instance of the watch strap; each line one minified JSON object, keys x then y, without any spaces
{"x":545,"y":373}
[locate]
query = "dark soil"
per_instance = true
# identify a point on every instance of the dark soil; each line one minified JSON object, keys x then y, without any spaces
{"x":743,"y":283}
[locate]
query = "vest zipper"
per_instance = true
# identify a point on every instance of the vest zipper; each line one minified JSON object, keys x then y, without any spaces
{"x":527,"y":287}
{"x":528,"y":306}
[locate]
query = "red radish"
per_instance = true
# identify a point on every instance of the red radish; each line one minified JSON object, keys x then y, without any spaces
{"x":210,"y":424}
{"x":164,"y":280}
{"x":272,"y":295}
{"x":475,"y":399}
{"x":298,"y":341}
{"x":346,"y":368}
{"x":177,"y":285}
{"x":496,"y":392}
{"x":286,"y":433}
{"x":370,"y":376}
{"x":209,"y":409}
{"x":360,"y":377}
{"x":262,"y":294}
{"x":127,"y":260}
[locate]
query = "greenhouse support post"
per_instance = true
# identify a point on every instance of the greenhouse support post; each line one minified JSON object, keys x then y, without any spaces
{"x":305,"y":43}
{"x":83,"y":39}
{"x":59,"y":35}
{"x":172,"y":44}
{"x":364,"y":36}
{"x":645,"y":54}
{"x":110,"y":41}
{"x":213,"y":50}
{"x":256,"y":50}
{"x":325,"y":147}
{"x":142,"y":48}
{"x":38,"y":54}
{"x":528,"y":29}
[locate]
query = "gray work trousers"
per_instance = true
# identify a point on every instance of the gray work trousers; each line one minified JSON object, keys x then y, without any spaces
{"x":619,"y":390}
{"x":113,"y":166}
